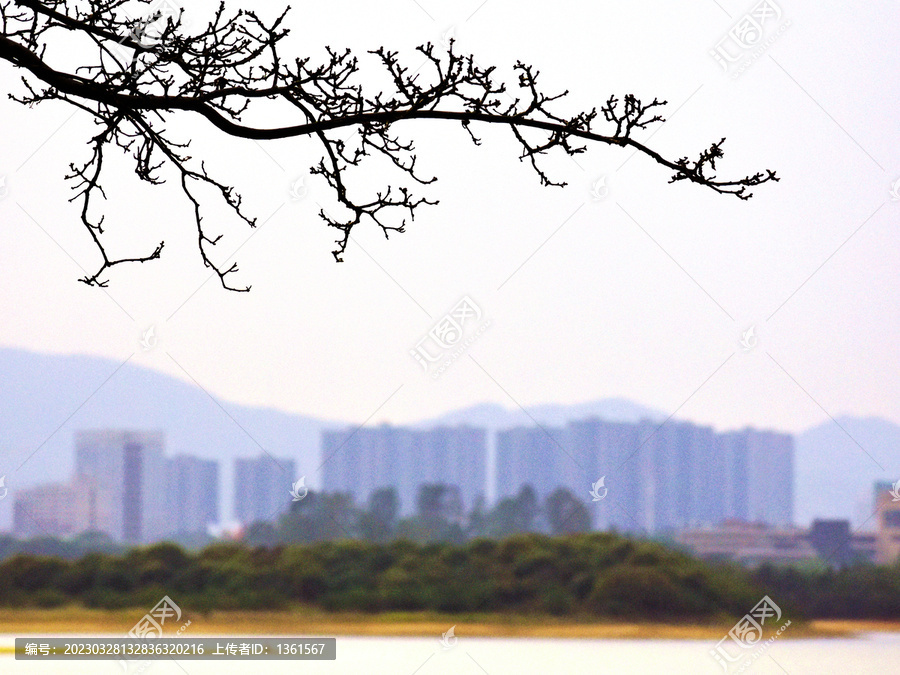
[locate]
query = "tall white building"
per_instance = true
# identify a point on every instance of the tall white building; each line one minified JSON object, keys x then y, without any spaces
{"x":657,"y":478}
{"x":193,"y":494}
{"x":262,"y":488}
{"x":126,"y":474}
{"x":770,"y":477}
{"x":361,"y":461}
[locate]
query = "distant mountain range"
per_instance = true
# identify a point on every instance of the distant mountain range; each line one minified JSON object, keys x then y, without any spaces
{"x":494,"y":416}
{"x":45,"y":398}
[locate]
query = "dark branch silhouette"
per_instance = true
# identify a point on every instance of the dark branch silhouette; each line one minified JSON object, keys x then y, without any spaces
{"x":141,"y":70}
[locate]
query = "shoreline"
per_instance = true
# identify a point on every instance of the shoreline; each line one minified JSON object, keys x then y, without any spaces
{"x":77,"y":620}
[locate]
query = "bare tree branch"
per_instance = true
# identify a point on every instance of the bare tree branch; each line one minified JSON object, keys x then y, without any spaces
{"x":147,"y":68}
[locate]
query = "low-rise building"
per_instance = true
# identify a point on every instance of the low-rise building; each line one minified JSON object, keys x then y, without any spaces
{"x":748,"y":543}
{"x":52,"y":510}
{"x":887,"y":546}
{"x":828,"y":541}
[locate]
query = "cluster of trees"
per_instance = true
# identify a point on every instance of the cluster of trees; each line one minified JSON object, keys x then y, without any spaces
{"x":587,"y":576}
{"x":581,"y":575}
{"x":438,"y":517}
{"x":860,"y":591}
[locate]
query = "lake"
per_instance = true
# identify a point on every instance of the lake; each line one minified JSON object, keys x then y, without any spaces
{"x":871,"y":653}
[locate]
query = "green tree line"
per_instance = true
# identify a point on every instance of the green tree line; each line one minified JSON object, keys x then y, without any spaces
{"x":596,"y":575}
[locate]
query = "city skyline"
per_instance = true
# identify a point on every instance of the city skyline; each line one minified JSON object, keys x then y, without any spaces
{"x":720,"y":531}
{"x":662,"y":478}
{"x":834,"y":472}
{"x":655,"y":478}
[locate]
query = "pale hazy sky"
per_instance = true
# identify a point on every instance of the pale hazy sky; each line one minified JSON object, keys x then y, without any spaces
{"x":643,"y":294}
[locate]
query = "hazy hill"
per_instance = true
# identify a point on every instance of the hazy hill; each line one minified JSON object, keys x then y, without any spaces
{"x":40,"y":393}
{"x":835,"y":477}
{"x":495,"y":416}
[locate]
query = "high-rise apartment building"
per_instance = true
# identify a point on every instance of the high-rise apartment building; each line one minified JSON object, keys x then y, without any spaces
{"x":360,"y":461}
{"x":612,"y":451}
{"x":656,"y":478}
{"x":192,"y":495}
{"x":124,"y":472}
{"x":770,"y":477}
{"x":262,"y":488}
